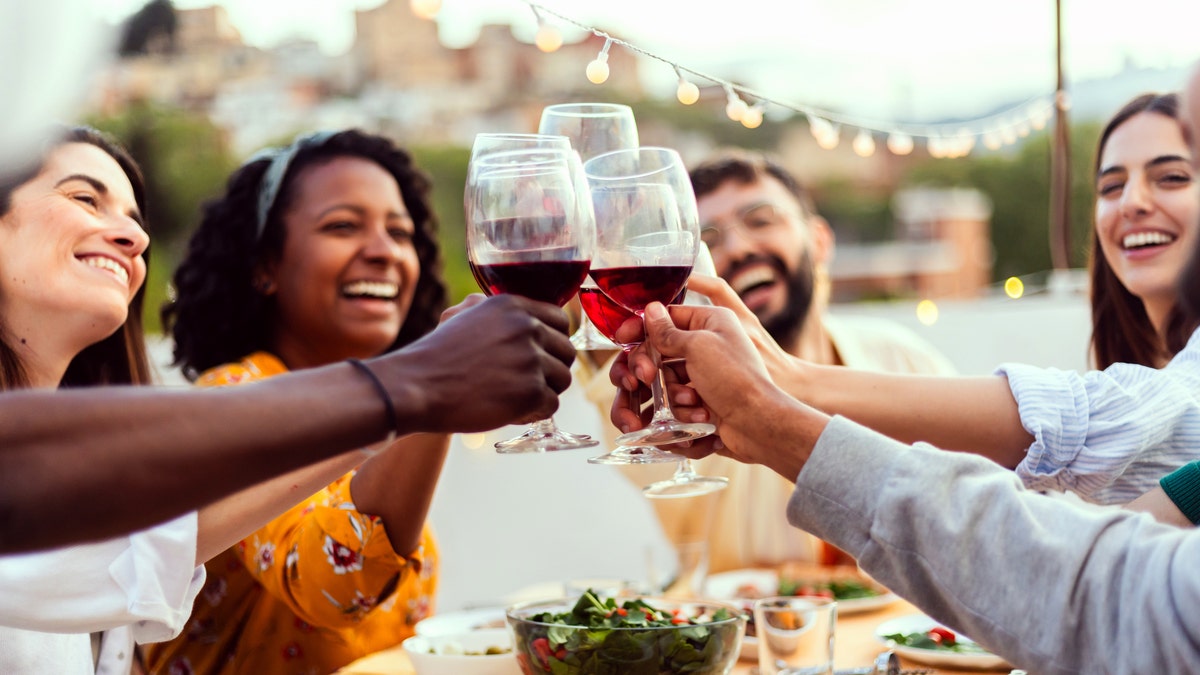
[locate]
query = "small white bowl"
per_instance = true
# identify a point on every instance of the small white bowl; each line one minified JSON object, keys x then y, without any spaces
{"x":418,"y":648}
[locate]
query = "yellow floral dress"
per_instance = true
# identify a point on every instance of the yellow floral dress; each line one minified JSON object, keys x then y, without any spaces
{"x":313,"y":590}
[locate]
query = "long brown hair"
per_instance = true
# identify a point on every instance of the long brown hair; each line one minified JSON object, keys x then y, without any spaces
{"x":121,"y":357}
{"x":1121,"y":330}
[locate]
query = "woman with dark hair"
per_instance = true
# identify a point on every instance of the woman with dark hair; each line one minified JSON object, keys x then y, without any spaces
{"x":318,"y":252}
{"x":1145,"y":223}
{"x":1106,"y":435}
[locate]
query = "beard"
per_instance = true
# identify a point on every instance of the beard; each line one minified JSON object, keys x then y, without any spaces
{"x":784,"y":326}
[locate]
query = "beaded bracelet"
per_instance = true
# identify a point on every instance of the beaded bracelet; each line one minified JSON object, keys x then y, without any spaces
{"x":389,"y":409}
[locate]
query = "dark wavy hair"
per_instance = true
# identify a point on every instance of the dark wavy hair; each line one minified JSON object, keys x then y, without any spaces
{"x":1121,"y":330}
{"x":218,"y":316}
{"x":744,"y":168}
{"x":121,"y":357}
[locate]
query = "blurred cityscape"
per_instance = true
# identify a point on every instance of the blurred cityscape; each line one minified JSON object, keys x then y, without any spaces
{"x":908,"y":227}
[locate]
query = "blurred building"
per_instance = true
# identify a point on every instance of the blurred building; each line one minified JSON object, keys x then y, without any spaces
{"x":942,"y":249}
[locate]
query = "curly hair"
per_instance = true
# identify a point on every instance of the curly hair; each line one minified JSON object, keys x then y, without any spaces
{"x":121,"y":357}
{"x":1121,"y":330}
{"x":218,"y":316}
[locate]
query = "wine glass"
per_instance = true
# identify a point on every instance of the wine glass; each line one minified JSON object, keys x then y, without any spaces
{"x":647,"y":234}
{"x":685,"y":481}
{"x":593,"y":129}
{"x":607,"y":316}
{"x":530,"y":231}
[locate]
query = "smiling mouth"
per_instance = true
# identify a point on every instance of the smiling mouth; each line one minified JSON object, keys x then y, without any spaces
{"x":374,"y":290}
{"x":752,"y":279}
{"x":109,"y":265}
{"x":1141,"y":240}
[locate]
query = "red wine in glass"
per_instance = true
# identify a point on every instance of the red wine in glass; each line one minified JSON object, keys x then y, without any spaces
{"x":553,"y":281}
{"x":636,"y":287}
{"x":606,"y":315}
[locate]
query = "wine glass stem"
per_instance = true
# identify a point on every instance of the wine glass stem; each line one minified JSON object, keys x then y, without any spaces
{"x":658,"y":388}
{"x":684,"y":471}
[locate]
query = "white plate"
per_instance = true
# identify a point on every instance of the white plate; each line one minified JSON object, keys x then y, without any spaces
{"x":919,"y":623}
{"x":463,"y":621}
{"x":725,"y":585}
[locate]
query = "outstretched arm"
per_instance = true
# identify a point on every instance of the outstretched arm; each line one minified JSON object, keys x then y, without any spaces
{"x":87,"y":464}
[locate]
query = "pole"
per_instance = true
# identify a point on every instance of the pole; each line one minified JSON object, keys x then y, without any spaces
{"x":1060,"y":160}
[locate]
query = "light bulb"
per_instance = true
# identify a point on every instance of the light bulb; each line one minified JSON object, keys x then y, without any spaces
{"x":687,"y":93}
{"x":991,"y":140}
{"x":900,"y":144}
{"x":736,"y":108}
{"x":1014,"y":287}
{"x":753,"y":117}
{"x":548,"y":38}
{"x":1023,"y":128}
{"x":936,"y":147}
{"x":927,"y":312}
{"x":864,"y":144}
{"x":597,"y":70}
{"x":1008,"y":135}
{"x":828,"y":140}
{"x":425,"y":9}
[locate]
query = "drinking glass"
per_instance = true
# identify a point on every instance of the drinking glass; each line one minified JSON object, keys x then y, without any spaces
{"x":530,"y":231}
{"x":647,"y":237}
{"x":593,"y":129}
{"x":795,"y":635}
{"x":686,"y":481}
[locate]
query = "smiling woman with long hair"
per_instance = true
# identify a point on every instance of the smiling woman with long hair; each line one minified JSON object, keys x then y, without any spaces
{"x":318,"y":252}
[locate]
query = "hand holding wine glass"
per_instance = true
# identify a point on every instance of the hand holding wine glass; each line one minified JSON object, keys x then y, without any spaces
{"x":531,"y":231}
{"x":647,"y":239}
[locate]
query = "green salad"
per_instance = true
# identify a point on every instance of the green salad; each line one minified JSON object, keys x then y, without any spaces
{"x":938,"y":639}
{"x":601,"y":637}
{"x":838,"y":590}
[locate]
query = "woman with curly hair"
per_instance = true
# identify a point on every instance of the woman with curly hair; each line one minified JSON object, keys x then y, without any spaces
{"x":319,"y":252}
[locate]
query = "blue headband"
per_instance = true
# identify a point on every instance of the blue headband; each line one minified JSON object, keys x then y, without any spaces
{"x":272,"y":180}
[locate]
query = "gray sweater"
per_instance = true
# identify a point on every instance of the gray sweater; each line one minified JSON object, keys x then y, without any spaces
{"x":1048,"y":582}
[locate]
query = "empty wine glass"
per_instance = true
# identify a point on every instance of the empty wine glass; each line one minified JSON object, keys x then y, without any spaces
{"x":530,"y":231}
{"x":647,"y":234}
{"x":593,"y":129}
{"x":686,"y":482}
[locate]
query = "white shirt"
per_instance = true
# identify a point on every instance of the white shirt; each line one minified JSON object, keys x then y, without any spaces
{"x":136,"y":588}
{"x":1108,"y":435}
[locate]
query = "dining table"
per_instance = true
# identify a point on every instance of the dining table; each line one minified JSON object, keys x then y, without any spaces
{"x":855,"y":646}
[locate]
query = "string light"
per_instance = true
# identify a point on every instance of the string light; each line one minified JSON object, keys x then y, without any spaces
{"x":900,"y":144}
{"x":864,"y":144}
{"x":687,"y":92}
{"x":941,"y":140}
{"x":735,"y":107}
{"x":1014,"y":287}
{"x":753,"y":117}
{"x":927,"y":312}
{"x":597,"y":70}
{"x":548,"y":37}
{"x":425,"y":9}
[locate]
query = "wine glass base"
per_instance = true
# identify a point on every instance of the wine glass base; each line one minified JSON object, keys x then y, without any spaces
{"x":643,"y":454}
{"x":690,"y":487}
{"x":591,"y":343}
{"x":535,"y":440}
{"x":666,"y":433}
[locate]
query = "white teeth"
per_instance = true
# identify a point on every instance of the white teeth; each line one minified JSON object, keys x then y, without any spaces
{"x":752,"y":277}
{"x":1139,"y":239}
{"x":110,"y":265}
{"x":375,"y":289}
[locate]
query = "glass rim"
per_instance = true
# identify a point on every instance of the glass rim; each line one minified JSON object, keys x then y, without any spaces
{"x":782,"y":602}
{"x":585,"y":109}
{"x":736,"y":613}
{"x":648,"y":150}
{"x":520,"y":136}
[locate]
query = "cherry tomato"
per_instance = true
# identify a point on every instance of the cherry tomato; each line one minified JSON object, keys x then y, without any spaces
{"x":942,"y":636}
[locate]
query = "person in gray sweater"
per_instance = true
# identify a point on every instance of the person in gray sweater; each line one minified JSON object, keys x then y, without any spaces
{"x":1052,"y":584}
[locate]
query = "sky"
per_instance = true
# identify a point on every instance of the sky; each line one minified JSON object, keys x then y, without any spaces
{"x":901,"y":59}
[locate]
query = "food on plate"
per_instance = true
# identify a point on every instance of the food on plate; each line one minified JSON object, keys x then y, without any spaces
{"x":937,"y":639}
{"x":847,"y":589}
{"x":635,"y":636}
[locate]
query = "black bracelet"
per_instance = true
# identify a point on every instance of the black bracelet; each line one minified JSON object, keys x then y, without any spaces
{"x":388,"y":408}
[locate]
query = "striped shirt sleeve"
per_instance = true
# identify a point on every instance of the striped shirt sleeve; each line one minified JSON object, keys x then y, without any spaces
{"x":1108,"y":435}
